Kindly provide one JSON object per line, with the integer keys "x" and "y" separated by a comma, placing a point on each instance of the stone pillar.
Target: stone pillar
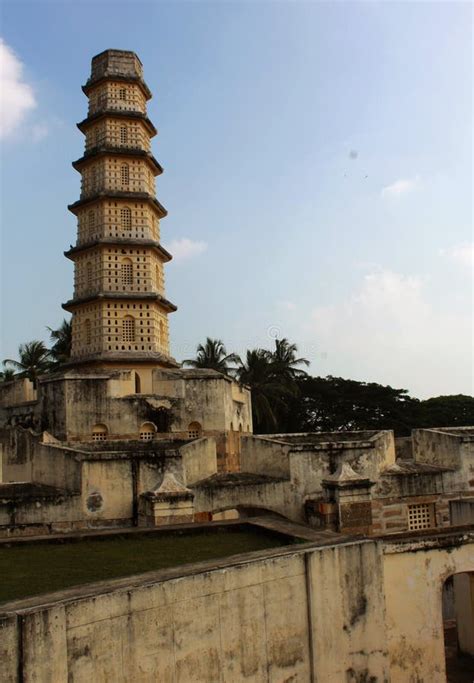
{"x": 350, "y": 493}
{"x": 464, "y": 610}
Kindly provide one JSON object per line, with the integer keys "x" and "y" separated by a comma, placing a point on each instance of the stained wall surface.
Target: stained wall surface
{"x": 357, "y": 611}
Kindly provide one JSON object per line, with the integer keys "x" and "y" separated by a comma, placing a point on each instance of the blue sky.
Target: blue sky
{"x": 318, "y": 175}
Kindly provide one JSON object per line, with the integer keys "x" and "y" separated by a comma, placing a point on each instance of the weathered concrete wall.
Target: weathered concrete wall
{"x": 199, "y": 460}
{"x": 348, "y": 613}
{"x": 264, "y": 456}
{"x": 16, "y": 392}
{"x": 461, "y": 512}
{"x": 444, "y": 447}
{"x": 414, "y": 573}
{"x": 353, "y": 612}
{"x": 268, "y": 617}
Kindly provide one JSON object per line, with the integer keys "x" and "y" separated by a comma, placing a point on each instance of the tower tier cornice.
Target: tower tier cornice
{"x": 119, "y": 242}
{"x": 128, "y": 196}
{"x": 117, "y": 78}
{"x": 136, "y": 153}
{"x": 119, "y": 114}
{"x": 123, "y": 357}
{"x": 154, "y": 297}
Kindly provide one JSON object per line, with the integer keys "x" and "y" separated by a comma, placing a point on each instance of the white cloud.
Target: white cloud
{"x": 462, "y": 254}
{"x": 287, "y": 305}
{"x": 388, "y": 331}
{"x": 185, "y": 249}
{"x": 39, "y": 131}
{"x": 16, "y": 96}
{"x": 399, "y": 187}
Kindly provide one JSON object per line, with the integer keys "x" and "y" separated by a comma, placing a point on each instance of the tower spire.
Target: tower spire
{"x": 119, "y": 309}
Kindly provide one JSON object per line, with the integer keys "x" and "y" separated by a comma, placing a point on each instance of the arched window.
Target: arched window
{"x": 125, "y": 174}
{"x": 99, "y": 433}
{"x": 89, "y": 275}
{"x": 138, "y": 384}
{"x": 163, "y": 420}
{"x": 88, "y": 333}
{"x": 194, "y": 430}
{"x": 128, "y": 329}
{"x": 126, "y": 272}
{"x": 126, "y": 216}
{"x": 147, "y": 431}
{"x": 91, "y": 222}
{"x": 123, "y": 135}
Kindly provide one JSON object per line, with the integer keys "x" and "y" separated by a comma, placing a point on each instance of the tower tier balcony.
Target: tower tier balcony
{"x": 116, "y": 194}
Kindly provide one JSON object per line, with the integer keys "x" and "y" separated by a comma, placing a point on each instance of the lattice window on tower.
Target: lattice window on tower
{"x": 89, "y": 275}
{"x": 125, "y": 174}
{"x": 128, "y": 329}
{"x": 126, "y": 216}
{"x": 123, "y": 94}
{"x": 88, "y": 332}
{"x": 123, "y": 135}
{"x": 421, "y": 516}
{"x": 147, "y": 431}
{"x": 127, "y": 272}
{"x": 99, "y": 433}
{"x": 91, "y": 222}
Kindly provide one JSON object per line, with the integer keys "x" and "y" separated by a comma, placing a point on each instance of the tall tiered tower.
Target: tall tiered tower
{"x": 119, "y": 310}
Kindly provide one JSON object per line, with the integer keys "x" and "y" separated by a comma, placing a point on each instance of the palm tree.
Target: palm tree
{"x": 7, "y": 374}
{"x": 270, "y": 389}
{"x": 34, "y": 360}
{"x": 285, "y": 360}
{"x": 62, "y": 338}
{"x": 213, "y": 356}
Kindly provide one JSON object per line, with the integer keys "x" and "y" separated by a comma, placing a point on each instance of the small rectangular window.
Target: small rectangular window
{"x": 421, "y": 516}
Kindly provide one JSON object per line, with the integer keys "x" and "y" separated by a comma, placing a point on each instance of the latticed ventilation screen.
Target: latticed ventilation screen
{"x": 127, "y": 273}
{"x": 125, "y": 174}
{"x": 99, "y": 434}
{"x": 420, "y": 516}
{"x": 89, "y": 274}
{"x": 146, "y": 434}
{"x": 128, "y": 330}
{"x": 194, "y": 430}
{"x": 91, "y": 219}
{"x": 123, "y": 134}
{"x": 122, "y": 94}
{"x": 87, "y": 326}
{"x": 126, "y": 216}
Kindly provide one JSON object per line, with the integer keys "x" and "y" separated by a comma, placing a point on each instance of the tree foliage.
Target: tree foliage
{"x": 62, "y": 341}
{"x": 213, "y": 355}
{"x": 34, "y": 359}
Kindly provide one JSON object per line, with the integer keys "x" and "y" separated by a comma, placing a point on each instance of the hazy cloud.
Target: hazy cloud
{"x": 389, "y": 331}
{"x": 287, "y": 305}
{"x": 39, "y": 131}
{"x": 184, "y": 249}
{"x": 16, "y": 96}
{"x": 399, "y": 187}
{"x": 463, "y": 254}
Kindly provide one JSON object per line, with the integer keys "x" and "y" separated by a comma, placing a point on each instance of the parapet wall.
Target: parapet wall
{"x": 250, "y": 619}
{"x": 354, "y": 611}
